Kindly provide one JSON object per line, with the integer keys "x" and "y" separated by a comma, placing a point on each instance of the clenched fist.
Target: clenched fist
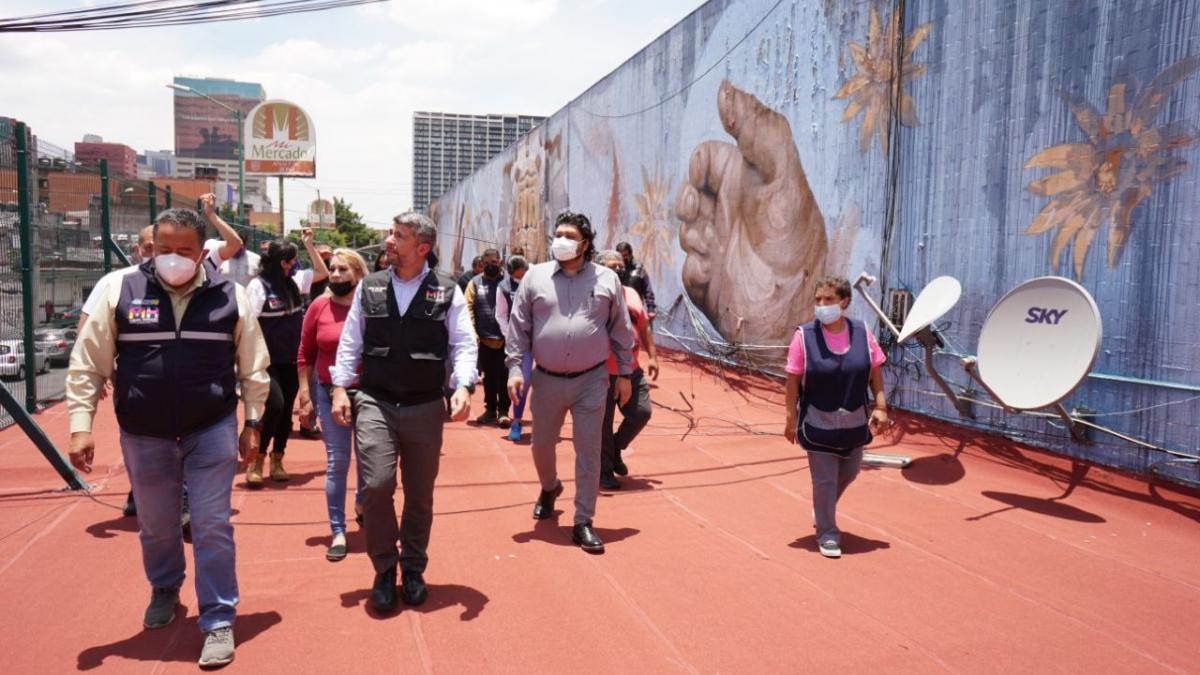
{"x": 751, "y": 229}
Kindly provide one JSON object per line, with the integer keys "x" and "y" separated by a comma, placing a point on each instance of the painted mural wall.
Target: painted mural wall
{"x": 759, "y": 144}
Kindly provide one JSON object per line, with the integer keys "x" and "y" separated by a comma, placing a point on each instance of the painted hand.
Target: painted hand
{"x": 751, "y": 229}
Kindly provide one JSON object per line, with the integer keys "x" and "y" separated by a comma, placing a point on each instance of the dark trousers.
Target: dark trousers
{"x": 495, "y": 379}
{"x": 386, "y": 437}
{"x": 277, "y": 416}
{"x": 636, "y": 415}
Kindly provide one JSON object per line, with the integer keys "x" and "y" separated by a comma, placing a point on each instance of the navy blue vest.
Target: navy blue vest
{"x": 281, "y": 325}
{"x": 404, "y": 355}
{"x": 833, "y": 399}
{"x": 486, "y": 325}
{"x": 170, "y": 381}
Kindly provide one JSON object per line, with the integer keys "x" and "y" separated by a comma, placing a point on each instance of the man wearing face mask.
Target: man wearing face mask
{"x": 570, "y": 314}
{"x": 184, "y": 339}
{"x": 639, "y": 279}
{"x": 831, "y": 363}
{"x": 481, "y": 297}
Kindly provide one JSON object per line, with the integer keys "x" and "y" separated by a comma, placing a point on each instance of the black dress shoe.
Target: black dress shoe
{"x": 619, "y": 467}
{"x": 413, "y": 588}
{"x": 609, "y": 482}
{"x": 130, "y": 509}
{"x": 383, "y": 595}
{"x": 544, "y": 508}
{"x": 585, "y": 536}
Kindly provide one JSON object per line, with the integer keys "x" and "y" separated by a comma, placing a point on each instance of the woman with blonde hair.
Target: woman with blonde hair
{"x": 319, "y": 339}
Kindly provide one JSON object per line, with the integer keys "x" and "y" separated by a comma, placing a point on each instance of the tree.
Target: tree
{"x": 350, "y": 225}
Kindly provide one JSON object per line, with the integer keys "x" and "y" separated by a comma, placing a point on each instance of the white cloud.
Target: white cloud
{"x": 472, "y": 18}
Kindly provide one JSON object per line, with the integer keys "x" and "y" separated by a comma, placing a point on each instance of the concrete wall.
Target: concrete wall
{"x": 758, "y": 144}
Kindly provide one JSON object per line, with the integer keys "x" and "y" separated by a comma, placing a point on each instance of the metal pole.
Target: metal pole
{"x": 242, "y": 169}
{"x": 105, "y": 217}
{"x": 168, "y": 191}
{"x": 39, "y": 438}
{"x": 153, "y": 190}
{"x": 26, "y": 217}
{"x": 282, "y": 218}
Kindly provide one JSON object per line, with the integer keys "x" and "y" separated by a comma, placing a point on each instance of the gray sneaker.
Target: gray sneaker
{"x": 161, "y": 611}
{"x": 218, "y": 648}
{"x": 831, "y": 549}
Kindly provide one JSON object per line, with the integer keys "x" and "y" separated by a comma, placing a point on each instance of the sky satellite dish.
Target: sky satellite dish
{"x": 1039, "y": 343}
{"x": 938, "y": 297}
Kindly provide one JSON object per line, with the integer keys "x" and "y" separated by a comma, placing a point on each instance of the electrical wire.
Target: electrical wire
{"x": 160, "y": 13}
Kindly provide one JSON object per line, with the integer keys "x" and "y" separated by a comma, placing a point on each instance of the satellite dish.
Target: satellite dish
{"x": 1039, "y": 342}
{"x": 938, "y": 297}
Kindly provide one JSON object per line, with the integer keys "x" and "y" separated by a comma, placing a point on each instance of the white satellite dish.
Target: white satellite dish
{"x": 938, "y": 297}
{"x": 1039, "y": 343}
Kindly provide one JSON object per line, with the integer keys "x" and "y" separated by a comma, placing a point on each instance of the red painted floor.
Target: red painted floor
{"x": 971, "y": 561}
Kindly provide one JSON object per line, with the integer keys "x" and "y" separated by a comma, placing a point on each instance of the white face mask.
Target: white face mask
{"x": 564, "y": 249}
{"x": 828, "y": 314}
{"x": 174, "y": 269}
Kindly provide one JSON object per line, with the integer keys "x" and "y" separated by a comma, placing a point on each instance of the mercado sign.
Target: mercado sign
{"x": 280, "y": 140}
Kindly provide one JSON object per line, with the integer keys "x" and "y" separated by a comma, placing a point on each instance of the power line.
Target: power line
{"x": 157, "y": 13}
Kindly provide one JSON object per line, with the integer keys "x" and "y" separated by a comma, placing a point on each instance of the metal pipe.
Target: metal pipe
{"x": 867, "y": 279}
{"x": 26, "y": 218}
{"x": 105, "y": 217}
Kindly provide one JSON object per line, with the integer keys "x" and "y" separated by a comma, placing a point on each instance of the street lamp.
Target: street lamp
{"x": 241, "y": 159}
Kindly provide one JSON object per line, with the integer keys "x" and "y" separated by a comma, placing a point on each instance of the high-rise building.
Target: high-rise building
{"x": 447, "y": 147}
{"x": 156, "y": 163}
{"x": 204, "y": 129}
{"x": 122, "y": 159}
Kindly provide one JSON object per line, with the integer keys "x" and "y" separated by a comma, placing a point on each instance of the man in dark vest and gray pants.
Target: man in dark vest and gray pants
{"x": 403, "y": 326}
{"x": 481, "y": 302}
{"x": 182, "y": 338}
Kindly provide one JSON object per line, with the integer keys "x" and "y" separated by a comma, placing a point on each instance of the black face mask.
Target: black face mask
{"x": 341, "y": 288}
{"x": 491, "y": 271}
{"x": 623, "y": 275}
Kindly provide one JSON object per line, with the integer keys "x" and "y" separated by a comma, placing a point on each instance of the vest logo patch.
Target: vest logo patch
{"x": 143, "y": 311}
{"x": 275, "y": 303}
{"x": 435, "y": 295}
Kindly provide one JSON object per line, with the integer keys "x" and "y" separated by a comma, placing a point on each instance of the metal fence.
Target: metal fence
{"x": 55, "y": 218}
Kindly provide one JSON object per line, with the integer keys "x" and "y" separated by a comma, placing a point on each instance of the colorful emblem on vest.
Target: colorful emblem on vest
{"x": 436, "y": 295}
{"x": 143, "y": 311}
{"x": 275, "y": 303}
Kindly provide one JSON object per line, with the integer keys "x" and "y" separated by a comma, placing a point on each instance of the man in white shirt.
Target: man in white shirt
{"x": 405, "y": 323}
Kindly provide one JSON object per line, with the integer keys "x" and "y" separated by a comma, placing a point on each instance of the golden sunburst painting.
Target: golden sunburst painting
{"x": 874, "y": 86}
{"x": 1100, "y": 181}
{"x": 653, "y": 227}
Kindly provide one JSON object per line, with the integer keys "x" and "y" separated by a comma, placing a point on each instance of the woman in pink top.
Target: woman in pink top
{"x": 832, "y": 362}
{"x": 319, "y": 339}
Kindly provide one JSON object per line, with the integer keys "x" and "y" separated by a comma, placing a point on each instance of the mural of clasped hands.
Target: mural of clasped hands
{"x": 753, "y": 235}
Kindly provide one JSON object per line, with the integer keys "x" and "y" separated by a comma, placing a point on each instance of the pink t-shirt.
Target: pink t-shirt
{"x": 639, "y": 318}
{"x": 839, "y": 343}
{"x": 323, "y": 323}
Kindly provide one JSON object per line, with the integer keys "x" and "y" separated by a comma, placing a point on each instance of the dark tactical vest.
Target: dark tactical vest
{"x": 404, "y": 355}
{"x": 833, "y": 401}
{"x": 171, "y": 382}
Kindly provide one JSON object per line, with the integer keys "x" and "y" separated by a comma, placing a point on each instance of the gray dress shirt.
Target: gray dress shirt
{"x": 571, "y": 323}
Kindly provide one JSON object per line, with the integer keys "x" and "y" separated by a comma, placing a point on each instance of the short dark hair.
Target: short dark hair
{"x": 186, "y": 219}
{"x": 624, "y": 248}
{"x": 489, "y": 253}
{"x": 477, "y": 260}
{"x": 516, "y": 263}
{"x": 581, "y": 223}
{"x": 840, "y": 285}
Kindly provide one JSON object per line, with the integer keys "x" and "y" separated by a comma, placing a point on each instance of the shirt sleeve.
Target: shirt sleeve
{"x": 349, "y": 350}
{"x": 651, "y": 305}
{"x": 307, "y": 356}
{"x": 469, "y": 300}
{"x": 464, "y": 351}
{"x": 877, "y": 356}
{"x": 502, "y": 312}
{"x": 252, "y": 359}
{"x": 304, "y": 281}
{"x": 93, "y": 298}
{"x": 212, "y": 249}
{"x": 256, "y": 295}
{"x": 795, "y": 355}
{"x": 92, "y": 360}
{"x": 519, "y": 336}
{"x": 620, "y": 329}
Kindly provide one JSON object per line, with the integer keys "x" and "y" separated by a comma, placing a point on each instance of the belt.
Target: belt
{"x": 570, "y": 376}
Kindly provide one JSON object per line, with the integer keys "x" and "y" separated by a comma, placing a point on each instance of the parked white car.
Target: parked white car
{"x": 12, "y": 360}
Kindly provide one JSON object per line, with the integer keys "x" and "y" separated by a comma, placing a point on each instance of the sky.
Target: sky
{"x": 360, "y": 72}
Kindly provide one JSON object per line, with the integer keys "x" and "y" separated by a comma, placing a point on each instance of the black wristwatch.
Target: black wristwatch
{"x": 254, "y": 424}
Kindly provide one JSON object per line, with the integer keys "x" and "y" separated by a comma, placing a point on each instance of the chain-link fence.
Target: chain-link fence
{"x": 55, "y": 216}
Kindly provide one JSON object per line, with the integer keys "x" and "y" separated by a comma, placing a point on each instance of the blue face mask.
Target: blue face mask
{"x": 828, "y": 314}
{"x": 295, "y": 268}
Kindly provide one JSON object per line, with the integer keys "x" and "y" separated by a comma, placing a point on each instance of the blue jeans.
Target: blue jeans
{"x": 208, "y": 460}
{"x": 337, "y": 465}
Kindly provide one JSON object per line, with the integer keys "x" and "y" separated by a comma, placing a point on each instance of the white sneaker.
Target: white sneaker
{"x": 831, "y": 549}
{"x": 218, "y": 648}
